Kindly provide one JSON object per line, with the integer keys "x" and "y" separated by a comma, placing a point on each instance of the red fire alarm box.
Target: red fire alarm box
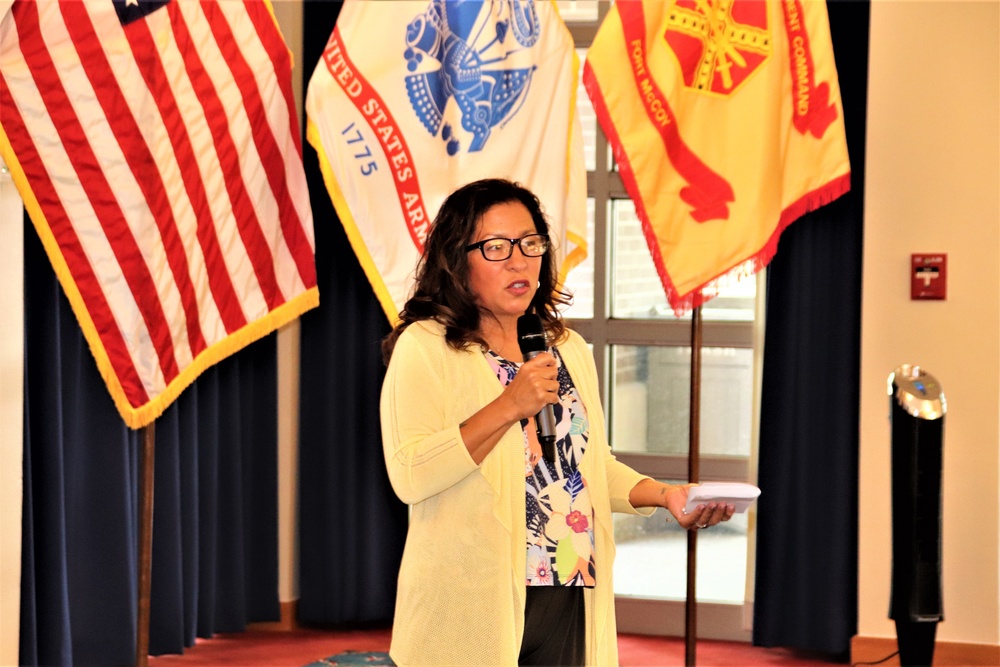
{"x": 929, "y": 276}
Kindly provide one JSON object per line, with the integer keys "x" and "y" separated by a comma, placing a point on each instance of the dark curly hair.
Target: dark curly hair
{"x": 442, "y": 282}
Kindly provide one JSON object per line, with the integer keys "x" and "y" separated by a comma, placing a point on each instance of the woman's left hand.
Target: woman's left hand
{"x": 703, "y": 516}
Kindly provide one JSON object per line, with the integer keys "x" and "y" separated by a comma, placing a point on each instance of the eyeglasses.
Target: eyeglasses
{"x": 497, "y": 250}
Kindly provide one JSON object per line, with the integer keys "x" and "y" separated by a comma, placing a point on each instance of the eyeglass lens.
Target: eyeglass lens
{"x": 500, "y": 249}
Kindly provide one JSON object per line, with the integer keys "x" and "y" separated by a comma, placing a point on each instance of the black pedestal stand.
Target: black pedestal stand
{"x": 916, "y": 643}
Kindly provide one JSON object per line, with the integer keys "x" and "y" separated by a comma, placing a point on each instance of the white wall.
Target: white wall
{"x": 11, "y": 411}
{"x": 933, "y": 185}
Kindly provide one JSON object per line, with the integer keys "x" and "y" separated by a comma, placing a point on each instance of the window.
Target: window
{"x": 643, "y": 354}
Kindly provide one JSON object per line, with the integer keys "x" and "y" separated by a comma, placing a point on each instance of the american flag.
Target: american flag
{"x": 157, "y": 149}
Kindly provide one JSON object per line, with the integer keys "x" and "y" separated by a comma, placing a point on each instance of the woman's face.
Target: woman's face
{"x": 505, "y": 288}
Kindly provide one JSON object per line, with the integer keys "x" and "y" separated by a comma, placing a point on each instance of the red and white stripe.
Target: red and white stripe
{"x": 166, "y": 162}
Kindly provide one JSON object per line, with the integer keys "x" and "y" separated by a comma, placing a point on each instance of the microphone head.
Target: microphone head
{"x": 530, "y": 333}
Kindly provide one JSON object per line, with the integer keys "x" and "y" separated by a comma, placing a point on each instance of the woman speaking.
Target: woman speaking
{"x": 509, "y": 553}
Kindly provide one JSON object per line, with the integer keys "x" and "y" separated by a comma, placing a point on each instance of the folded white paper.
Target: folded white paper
{"x": 739, "y": 494}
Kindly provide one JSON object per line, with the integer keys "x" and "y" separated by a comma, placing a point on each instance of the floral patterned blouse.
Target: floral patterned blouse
{"x": 560, "y": 518}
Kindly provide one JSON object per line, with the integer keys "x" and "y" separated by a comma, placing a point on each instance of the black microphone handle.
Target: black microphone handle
{"x": 545, "y": 424}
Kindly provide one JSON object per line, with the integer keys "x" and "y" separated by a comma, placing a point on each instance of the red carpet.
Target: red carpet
{"x": 295, "y": 648}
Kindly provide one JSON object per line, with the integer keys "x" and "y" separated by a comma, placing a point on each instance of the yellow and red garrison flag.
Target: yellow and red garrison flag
{"x": 157, "y": 150}
{"x": 413, "y": 99}
{"x": 726, "y": 122}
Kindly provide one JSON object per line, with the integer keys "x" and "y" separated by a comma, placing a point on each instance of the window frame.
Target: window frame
{"x": 642, "y": 615}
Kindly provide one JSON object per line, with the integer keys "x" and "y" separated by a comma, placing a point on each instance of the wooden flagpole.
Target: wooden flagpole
{"x": 145, "y": 544}
{"x": 694, "y": 454}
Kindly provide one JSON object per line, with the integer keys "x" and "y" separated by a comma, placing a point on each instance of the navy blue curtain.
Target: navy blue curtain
{"x": 351, "y": 526}
{"x": 214, "y": 564}
{"x": 806, "y": 578}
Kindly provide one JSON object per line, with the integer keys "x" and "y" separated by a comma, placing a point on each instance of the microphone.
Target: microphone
{"x": 531, "y": 340}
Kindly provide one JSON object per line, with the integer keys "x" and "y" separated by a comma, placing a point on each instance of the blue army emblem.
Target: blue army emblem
{"x": 471, "y": 51}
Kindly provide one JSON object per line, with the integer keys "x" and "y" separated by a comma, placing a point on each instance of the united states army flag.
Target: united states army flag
{"x": 414, "y": 99}
{"x": 726, "y": 123}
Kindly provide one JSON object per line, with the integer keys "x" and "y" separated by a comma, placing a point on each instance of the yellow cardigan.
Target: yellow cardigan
{"x": 461, "y": 590}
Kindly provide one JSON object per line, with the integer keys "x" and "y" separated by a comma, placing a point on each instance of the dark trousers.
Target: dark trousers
{"x": 554, "y": 627}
